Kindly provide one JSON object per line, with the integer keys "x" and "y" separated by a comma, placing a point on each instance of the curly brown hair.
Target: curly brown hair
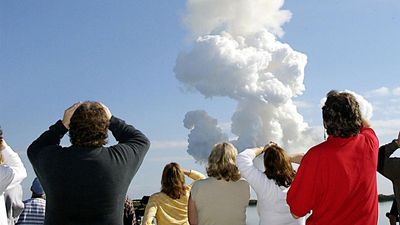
{"x": 341, "y": 114}
{"x": 277, "y": 166}
{"x": 89, "y": 125}
{"x": 222, "y": 162}
{"x": 173, "y": 181}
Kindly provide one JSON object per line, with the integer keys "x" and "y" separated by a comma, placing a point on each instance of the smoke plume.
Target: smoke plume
{"x": 237, "y": 55}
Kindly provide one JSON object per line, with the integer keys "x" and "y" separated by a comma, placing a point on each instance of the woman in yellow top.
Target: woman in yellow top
{"x": 169, "y": 206}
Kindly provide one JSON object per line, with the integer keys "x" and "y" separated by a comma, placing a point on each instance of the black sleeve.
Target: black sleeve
{"x": 384, "y": 164}
{"x": 130, "y": 141}
{"x": 51, "y": 137}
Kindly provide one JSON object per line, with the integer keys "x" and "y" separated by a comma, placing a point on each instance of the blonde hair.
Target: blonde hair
{"x": 222, "y": 162}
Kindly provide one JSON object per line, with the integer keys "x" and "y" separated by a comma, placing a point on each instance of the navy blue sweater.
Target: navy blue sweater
{"x": 87, "y": 186}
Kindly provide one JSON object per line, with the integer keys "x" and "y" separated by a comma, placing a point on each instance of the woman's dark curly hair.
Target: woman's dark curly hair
{"x": 277, "y": 166}
{"x": 173, "y": 181}
{"x": 89, "y": 125}
{"x": 341, "y": 114}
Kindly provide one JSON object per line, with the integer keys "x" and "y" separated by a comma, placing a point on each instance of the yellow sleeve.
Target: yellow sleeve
{"x": 150, "y": 211}
{"x": 195, "y": 175}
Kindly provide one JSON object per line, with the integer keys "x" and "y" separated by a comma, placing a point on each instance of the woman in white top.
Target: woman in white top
{"x": 222, "y": 198}
{"x": 271, "y": 186}
{"x": 12, "y": 172}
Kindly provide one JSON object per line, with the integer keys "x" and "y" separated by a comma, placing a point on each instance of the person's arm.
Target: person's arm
{"x": 132, "y": 143}
{"x": 193, "y": 174}
{"x": 302, "y": 193}
{"x": 6, "y": 176}
{"x": 296, "y": 157}
{"x": 53, "y": 136}
{"x": 384, "y": 154}
{"x": 192, "y": 212}
{"x": 150, "y": 212}
{"x": 256, "y": 178}
{"x": 12, "y": 159}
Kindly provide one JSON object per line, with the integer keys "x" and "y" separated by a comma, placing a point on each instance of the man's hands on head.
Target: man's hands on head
{"x": 107, "y": 110}
{"x": 68, "y": 114}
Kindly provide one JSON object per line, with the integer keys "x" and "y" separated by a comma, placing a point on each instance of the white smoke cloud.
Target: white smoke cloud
{"x": 238, "y": 17}
{"x": 238, "y": 56}
{"x": 204, "y": 133}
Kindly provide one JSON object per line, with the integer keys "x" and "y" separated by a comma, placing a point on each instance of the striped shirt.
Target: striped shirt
{"x": 33, "y": 212}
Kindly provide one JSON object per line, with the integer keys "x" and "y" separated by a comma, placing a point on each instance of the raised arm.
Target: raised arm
{"x": 6, "y": 172}
{"x": 53, "y": 136}
{"x": 13, "y": 160}
{"x": 193, "y": 174}
{"x": 127, "y": 134}
{"x": 256, "y": 178}
{"x": 387, "y": 166}
{"x": 296, "y": 157}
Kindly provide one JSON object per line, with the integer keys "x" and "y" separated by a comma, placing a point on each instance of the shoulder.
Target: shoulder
{"x": 242, "y": 182}
{"x": 157, "y": 195}
{"x": 243, "y": 185}
{"x": 201, "y": 183}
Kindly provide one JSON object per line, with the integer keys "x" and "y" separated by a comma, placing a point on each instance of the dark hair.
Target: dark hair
{"x": 173, "y": 181}
{"x": 277, "y": 166}
{"x": 1, "y": 134}
{"x": 89, "y": 125}
{"x": 341, "y": 114}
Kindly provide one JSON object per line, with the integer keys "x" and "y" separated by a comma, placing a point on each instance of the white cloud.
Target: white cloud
{"x": 238, "y": 17}
{"x": 304, "y": 104}
{"x": 396, "y": 91}
{"x": 386, "y": 129}
{"x": 379, "y": 92}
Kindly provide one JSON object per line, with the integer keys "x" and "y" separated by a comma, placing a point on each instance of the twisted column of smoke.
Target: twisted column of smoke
{"x": 236, "y": 54}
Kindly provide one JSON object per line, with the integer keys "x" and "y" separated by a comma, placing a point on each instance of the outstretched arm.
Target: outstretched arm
{"x": 193, "y": 174}
{"x": 296, "y": 157}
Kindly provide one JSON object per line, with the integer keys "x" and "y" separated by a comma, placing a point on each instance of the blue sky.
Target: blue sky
{"x": 122, "y": 53}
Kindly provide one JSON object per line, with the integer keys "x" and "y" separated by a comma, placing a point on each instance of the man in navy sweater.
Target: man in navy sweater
{"x": 86, "y": 183}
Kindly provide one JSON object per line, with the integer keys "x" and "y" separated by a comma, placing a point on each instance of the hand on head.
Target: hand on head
{"x": 68, "y": 114}
{"x": 271, "y": 143}
{"x": 70, "y": 111}
{"x": 107, "y": 110}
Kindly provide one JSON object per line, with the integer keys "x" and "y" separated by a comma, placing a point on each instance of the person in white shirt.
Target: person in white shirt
{"x": 271, "y": 186}
{"x": 12, "y": 172}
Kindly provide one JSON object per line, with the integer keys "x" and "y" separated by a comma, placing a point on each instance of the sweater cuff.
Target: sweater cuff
{"x": 395, "y": 143}
{"x": 59, "y": 128}
{"x": 113, "y": 123}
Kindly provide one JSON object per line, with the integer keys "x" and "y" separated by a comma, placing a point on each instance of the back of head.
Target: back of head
{"x": 89, "y": 125}
{"x": 341, "y": 114}
{"x": 37, "y": 188}
{"x": 173, "y": 181}
{"x": 222, "y": 162}
{"x": 277, "y": 166}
